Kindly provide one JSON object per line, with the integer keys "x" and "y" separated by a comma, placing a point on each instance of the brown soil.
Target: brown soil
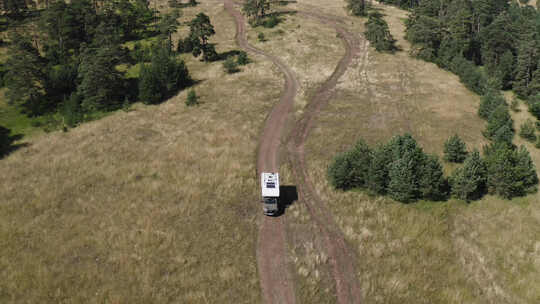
{"x": 275, "y": 276}
{"x": 341, "y": 258}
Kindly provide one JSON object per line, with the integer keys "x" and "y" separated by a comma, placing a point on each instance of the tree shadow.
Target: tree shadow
{"x": 287, "y": 196}
{"x": 7, "y": 142}
{"x": 224, "y": 55}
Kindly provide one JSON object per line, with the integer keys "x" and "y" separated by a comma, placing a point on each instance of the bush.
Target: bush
{"x": 162, "y": 78}
{"x": 527, "y": 131}
{"x": 455, "y": 150}
{"x": 271, "y": 21}
{"x": 469, "y": 182}
{"x": 192, "y": 98}
{"x": 230, "y": 65}
{"x": 378, "y": 34}
{"x": 350, "y": 169}
{"x": 261, "y": 37}
{"x": 242, "y": 58}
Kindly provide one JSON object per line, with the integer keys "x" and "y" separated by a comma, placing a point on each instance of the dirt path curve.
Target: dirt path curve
{"x": 274, "y": 272}
{"x": 340, "y": 256}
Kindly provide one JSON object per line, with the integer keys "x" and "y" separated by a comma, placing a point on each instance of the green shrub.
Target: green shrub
{"x": 192, "y": 98}
{"x": 230, "y": 65}
{"x": 455, "y": 149}
{"x": 261, "y": 37}
{"x": 242, "y": 58}
{"x": 378, "y": 34}
{"x": 271, "y": 21}
{"x": 527, "y": 131}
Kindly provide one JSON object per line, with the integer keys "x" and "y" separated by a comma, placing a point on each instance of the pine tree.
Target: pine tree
{"x": 163, "y": 77}
{"x": 498, "y": 118}
{"x": 101, "y": 83}
{"x": 455, "y": 149}
{"x": 526, "y": 65}
{"x": 339, "y": 172}
{"x": 469, "y": 182}
{"x": 431, "y": 183}
{"x": 378, "y": 170}
{"x": 402, "y": 186}
{"x": 200, "y": 30}
{"x": 511, "y": 172}
{"x": 26, "y": 75}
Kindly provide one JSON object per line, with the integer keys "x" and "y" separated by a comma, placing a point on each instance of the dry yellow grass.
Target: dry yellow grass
{"x": 485, "y": 252}
{"x": 156, "y": 205}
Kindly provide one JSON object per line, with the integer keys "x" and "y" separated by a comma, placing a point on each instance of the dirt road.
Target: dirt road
{"x": 274, "y": 272}
{"x": 341, "y": 258}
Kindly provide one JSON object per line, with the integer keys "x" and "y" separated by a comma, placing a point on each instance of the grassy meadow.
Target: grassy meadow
{"x": 487, "y": 251}
{"x": 158, "y": 204}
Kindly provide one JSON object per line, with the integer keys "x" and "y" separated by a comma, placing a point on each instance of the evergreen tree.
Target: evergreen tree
{"x": 256, "y": 9}
{"x": 14, "y": 8}
{"x": 100, "y": 83}
{"x": 162, "y": 78}
{"x": 497, "y": 119}
{"x": 526, "y": 65}
{"x": 26, "y": 75}
{"x": 378, "y": 170}
{"x": 455, "y": 149}
{"x": 72, "y": 111}
{"x": 402, "y": 186}
{"x": 469, "y": 182}
{"x": 357, "y": 7}
{"x": 339, "y": 172}
{"x": 200, "y": 30}
{"x": 169, "y": 25}
{"x": 378, "y": 34}
{"x": 431, "y": 183}
{"x": 511, "y": 172}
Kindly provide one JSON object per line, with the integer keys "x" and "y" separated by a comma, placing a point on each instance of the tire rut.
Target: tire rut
{"x": 275, "y": 276}
{"x": 340, "y": 257}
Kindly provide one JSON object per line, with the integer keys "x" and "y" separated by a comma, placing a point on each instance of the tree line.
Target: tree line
{"x": 402, "y": 170}
{"x": 501, "y": 36}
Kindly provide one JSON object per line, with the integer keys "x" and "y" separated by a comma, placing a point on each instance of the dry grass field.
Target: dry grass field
{"x": 156, "y": 205}
{"x": 451, "y": 252}
{"x": 160, "y": 204}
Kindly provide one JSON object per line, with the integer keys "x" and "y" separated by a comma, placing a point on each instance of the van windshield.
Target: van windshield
{"x": 270, "y": 200}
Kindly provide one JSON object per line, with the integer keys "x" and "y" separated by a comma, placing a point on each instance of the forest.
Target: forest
{"x": 73, "y": 61}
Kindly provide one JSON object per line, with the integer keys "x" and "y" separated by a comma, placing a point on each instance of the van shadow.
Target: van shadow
{"x": 287, "y": 196}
